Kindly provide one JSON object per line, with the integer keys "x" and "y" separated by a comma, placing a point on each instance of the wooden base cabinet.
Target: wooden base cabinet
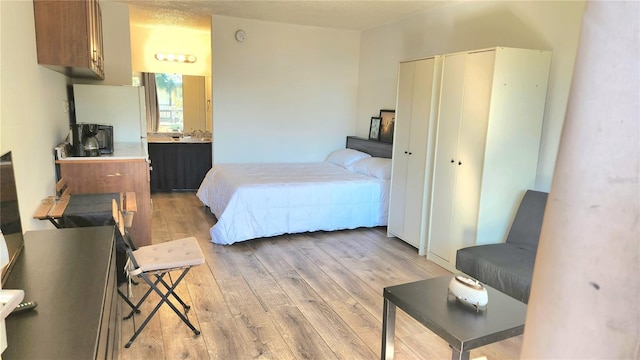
{"x": 104, "y": 176}
{"x": 413, "y": 151}
{"x": 489, "y": 125}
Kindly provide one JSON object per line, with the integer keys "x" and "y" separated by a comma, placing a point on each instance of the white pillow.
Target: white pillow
{"x": 346, "y": 157}
{"x": 374, "y": 166}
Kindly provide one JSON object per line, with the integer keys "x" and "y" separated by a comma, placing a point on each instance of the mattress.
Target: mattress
{"x": 262, "y": 200}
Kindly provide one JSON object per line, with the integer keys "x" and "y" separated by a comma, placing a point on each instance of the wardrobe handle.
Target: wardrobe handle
{"x": 459, "y": 162}
{"x": 406, "y": 152}
{"x": 452, "y": 161}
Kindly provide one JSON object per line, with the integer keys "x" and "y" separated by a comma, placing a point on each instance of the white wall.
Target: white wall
{"x": 175, "y": 39}
{"x": 287, "y": 93}
{"x": 463, "y": 26}
{"x": 32, "y": 120}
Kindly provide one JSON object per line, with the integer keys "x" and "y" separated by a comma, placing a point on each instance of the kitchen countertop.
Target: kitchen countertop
{"x": 121, "y": 151}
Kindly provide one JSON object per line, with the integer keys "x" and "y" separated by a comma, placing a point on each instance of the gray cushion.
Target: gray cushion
{"x": 505, "y": 267}
{"x": 525, "y": 229}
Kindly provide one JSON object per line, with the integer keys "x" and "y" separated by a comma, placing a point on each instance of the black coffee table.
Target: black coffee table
{"x": 457, "y": 323}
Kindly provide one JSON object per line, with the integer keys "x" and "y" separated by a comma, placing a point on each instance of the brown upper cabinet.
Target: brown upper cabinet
{"x": 69, "y": 37}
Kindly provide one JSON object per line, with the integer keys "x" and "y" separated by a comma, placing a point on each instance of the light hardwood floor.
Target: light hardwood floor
{"x": 305, "y": 296}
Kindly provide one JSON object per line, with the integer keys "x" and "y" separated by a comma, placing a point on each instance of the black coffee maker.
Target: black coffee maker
{"x": 84, "y": 140}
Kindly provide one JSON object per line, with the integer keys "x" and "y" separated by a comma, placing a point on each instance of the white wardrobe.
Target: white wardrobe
{"x": 485, "y": 138}
{"x": 416, "y": 103}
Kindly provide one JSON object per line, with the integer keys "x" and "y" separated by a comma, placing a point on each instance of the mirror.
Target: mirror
{"x": 153, "y": 31}
{"x": 184, "y": 102}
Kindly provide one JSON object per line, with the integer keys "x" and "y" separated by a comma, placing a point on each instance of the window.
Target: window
{"x": 170, "y": 102}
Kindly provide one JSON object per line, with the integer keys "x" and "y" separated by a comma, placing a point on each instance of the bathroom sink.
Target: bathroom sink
{"x": 191, "y": 140}
{"x": 181, "y": 139}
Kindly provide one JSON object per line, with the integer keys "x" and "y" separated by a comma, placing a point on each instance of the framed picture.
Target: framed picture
{"x": 387, "y": 121}
{"x": 374, "y": 129}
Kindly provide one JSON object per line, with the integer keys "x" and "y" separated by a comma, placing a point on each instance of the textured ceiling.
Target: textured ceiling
{"x": 338, "y": 14}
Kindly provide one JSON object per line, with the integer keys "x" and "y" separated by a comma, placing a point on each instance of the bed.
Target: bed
{"x": 350, "y": 189}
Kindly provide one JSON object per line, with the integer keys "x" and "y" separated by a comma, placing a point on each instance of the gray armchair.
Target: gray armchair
{"x": 508, "y": 266}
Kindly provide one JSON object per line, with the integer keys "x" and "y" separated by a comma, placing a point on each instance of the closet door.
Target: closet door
{"x": 489, "y": 124}
{"x": 446, "y": 154}
{"x": 462, "y": 131}
{"x": 402, "y": 130}
{"x": 413, "y": 111}
{"x": 474, "y": 120}
{"x": 416, "y": 205}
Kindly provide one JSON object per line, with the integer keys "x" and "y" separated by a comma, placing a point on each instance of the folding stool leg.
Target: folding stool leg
{"x": 135, "y": 309}
{"x": 171, "y": 291}
{"x": 159, "y": 279}
{"x": 164, "y": 298}
{"x": 126, "y": 299}
{"x": 185, "y": 306}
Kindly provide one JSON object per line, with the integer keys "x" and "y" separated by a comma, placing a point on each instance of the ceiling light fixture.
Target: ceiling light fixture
{"x": 183, "y": 58}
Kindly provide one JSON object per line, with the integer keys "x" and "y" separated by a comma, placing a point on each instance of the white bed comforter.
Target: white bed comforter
{"x": 261, "y": 200}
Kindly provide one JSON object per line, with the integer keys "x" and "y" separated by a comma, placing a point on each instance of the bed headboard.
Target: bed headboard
{"x": 371, "y": 147}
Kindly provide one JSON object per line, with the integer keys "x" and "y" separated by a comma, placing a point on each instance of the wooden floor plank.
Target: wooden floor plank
{"x": 228, "y": 336}
{"x": 302, "y": 296}
{"x": 357, "y": 286}
{"x": 333, "y": 329}
{"x": 302, "y": 338}
{"x": 372, "y": 271}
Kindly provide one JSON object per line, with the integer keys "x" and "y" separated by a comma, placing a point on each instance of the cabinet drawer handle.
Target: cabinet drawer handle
{"x": 116, "y": 174}
{"x": 452, "y": 161}
{"x": 459, "y": 162}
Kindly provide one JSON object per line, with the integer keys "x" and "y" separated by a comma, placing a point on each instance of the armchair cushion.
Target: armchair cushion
{"x": 505, "y": 267}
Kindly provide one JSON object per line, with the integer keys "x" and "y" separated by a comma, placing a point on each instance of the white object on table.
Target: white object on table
{"x": 469, "y": 290}
{"x": 9, "y": 299}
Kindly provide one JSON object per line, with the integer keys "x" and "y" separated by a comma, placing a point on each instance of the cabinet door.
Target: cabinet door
{"x": 96, "y": 45}
{"x": 164, "y": 162}
{"x": 93, "y": 32}
{"x": 194, "y": 161}
{"x": 67, "y": 33}
{"x": 444, "y": 177}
